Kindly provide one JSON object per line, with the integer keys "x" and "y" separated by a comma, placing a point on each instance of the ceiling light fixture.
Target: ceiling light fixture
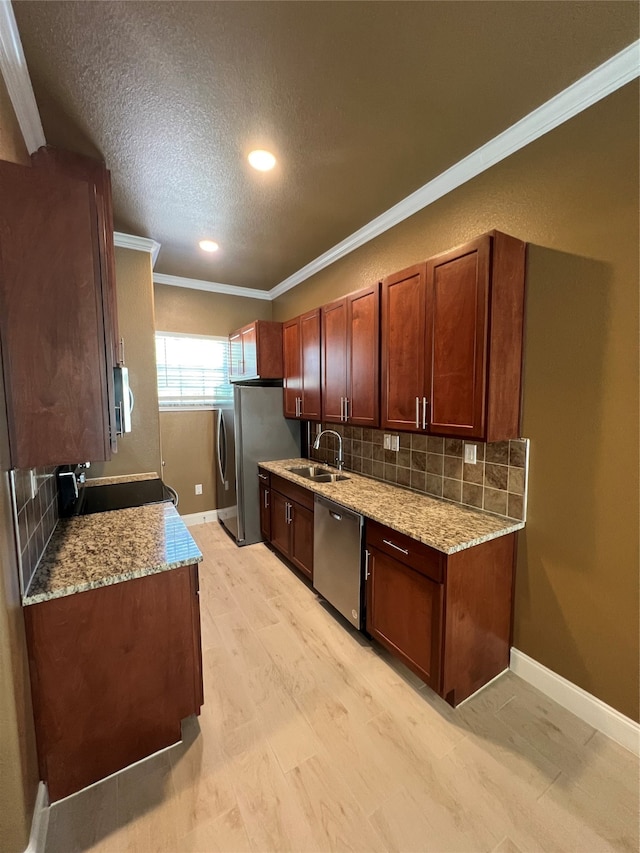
{"x": 208, "y": 245}
{"x": 263, "y": 161}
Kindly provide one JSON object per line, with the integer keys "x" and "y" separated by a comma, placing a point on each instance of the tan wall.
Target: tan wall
{"x": 18, "y": 764}
{"x": 196, "y": 312}
{"x": 139, "y": 450}
{"x": 188, "y": 453}
{"x": 573, "y": 195}
{"x": 191, "y": 460}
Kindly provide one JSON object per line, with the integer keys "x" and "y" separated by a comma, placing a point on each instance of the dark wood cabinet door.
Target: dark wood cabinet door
{"x": 265, "y": 511}
{"x": 403, "y": 349}
{"x": 334, "y": 360}
{"x": 249, "y": 340}
{"x": 404, "y": 613}
{"x": 363, "y": 336}
{"x": 51, "y": 319}
{"x": 280, "y": 527}
{"x": 292, "y": 367}
{"x": 302, "y": 538}
{"x": 235, "y": 355}
{"x": 113, "y": 672}
{"x": 310, "y": 362}
{"x": 457, "y": 308}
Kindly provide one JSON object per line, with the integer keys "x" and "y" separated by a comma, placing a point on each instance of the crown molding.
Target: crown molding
{"x": 13, "y": 67}
{"x": 588, "y": 90}
{"x": 139, "y": 244}
{"x": 211, "y": 286}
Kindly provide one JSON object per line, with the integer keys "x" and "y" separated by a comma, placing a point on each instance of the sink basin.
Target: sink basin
{"x": 309, "y": 471}
{"x": 318, "y": 474}
{"x": 328, "y": 478}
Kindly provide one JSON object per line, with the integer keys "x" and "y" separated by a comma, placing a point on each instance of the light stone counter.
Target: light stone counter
{"x": 90, "y": 551}
{"x": 443, "y": 525}
{"x": 121, "y": 478}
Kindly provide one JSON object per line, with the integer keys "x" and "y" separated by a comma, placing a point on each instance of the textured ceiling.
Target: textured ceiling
{"x": 362, "y": 103}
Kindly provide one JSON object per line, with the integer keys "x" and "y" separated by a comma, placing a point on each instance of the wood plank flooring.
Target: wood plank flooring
{"x": 311, "y": 739}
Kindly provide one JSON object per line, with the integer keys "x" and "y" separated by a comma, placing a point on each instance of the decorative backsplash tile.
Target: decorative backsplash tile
{"x": 496, "y": 483}
{"x": 35, "y": 518}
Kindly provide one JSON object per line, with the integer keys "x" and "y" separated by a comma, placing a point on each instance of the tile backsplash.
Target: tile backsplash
{"x": 496, "y": 483}
{"x": 36, "y": 517}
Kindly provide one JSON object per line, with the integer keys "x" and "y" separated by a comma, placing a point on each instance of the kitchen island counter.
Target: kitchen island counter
{"x": 91, "y": 551}
{"x": 441, "y": 524}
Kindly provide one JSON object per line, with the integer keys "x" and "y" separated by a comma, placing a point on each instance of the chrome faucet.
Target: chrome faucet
{"x": 339, "y": 457}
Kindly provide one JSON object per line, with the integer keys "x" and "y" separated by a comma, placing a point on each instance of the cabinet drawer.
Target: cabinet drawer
{"x": 418, "y": 556}
{"x": 292, "y": 491}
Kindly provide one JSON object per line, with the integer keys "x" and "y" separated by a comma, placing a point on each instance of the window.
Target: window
{"x": 193, "y": 371}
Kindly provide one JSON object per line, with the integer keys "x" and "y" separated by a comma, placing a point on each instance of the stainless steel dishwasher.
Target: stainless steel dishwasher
{"x": 337, "y": 558}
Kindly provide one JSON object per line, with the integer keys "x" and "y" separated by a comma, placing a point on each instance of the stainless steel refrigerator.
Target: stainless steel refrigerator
{"x": 253, "y": 430}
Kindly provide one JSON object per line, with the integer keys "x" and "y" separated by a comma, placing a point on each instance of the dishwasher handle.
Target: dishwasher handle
{"x": 335, "y": 515}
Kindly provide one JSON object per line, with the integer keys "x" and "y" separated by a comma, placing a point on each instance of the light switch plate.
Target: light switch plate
{"x": 470, "y": 453}
{"x": 198, "y": 488}
{"x": 33, "y": 483}
{"x": 395, "y": 442}
{"x": 387, "y": 442}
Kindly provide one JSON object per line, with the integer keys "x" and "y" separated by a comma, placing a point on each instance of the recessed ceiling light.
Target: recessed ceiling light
{"x": 208, "y": 245}
{"x": 262, "y": 160}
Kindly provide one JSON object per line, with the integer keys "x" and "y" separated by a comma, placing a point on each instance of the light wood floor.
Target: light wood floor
{"x": 311, "y": 739}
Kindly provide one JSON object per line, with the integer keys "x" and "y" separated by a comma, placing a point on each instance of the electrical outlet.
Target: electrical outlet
{"x": 395, "y": 443}
{"x": 470, "y": 453}
{"x": 198, "y": 488}
{"x": 387, "y": 442}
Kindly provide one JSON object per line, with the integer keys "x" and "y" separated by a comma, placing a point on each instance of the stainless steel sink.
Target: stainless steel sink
{"x": 328, "y": 478}
{"x": 318, "y": 474}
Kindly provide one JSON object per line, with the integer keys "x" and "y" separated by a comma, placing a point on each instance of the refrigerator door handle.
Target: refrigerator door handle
{"x": 222, "y": 447}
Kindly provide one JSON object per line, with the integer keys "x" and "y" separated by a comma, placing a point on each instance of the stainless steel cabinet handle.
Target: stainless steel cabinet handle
{"x": 266, "y": 499}
{"x": 342, "y": 417}
{"x": 424, "y": 412}
{"x": 417, "y": 412}
{"x": 397, "y": 547}
{"x": 346, "y": 408}
{"x": 367, "y": 557}
{"x": 263, "y": 476}
{"x": 288, "y": 513}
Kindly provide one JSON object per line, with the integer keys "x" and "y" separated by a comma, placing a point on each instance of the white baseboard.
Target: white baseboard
{"x": 589, "y": 708}
{"x": 40, "y": 821}
{"x": 200, "y": 517}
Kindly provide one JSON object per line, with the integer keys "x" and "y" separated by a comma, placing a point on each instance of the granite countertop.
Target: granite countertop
{"x": 90, "y": 551}
{"x": 121, "y": 478}
{"x": 445, "y": 526}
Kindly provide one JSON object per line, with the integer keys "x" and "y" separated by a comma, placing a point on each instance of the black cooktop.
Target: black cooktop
{"x": 119, "y": 496}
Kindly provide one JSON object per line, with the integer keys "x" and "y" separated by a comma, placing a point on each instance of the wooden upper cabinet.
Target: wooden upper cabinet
{"x": 452, "y": 342}
{"x": 350, "y": 358}
{"x": 57, "y": 347}
{"x": 404, "y": 372}
{"x": 334, "y": 360}
{"x": 255, "y": 351}
{"x": 363, "y": 357}
{"x": 301, "y": 346}
{"x": 292, "y": 368}
{"x": 457, "y": 311}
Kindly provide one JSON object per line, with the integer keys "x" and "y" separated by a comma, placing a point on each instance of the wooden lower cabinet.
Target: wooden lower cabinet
{"x": 113, "y": 670}
{"x": 447, "y": 617}
{"x": 292, "y": 523}
{"x": 395, "y": 590}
